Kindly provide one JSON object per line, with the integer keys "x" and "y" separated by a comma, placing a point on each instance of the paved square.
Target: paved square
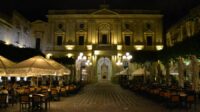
{"x": 105, "y": 97}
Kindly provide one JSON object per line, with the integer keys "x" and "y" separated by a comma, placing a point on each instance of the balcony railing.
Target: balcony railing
{"x": 104, "y": 47}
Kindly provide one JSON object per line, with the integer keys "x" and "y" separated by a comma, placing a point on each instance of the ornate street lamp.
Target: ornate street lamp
{"x": 125, "y": 63}
{"x": 80, "y": 64}
{"x": 125, "y": 59}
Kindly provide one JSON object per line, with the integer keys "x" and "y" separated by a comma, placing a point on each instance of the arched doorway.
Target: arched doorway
{"x": 104, "y": 68}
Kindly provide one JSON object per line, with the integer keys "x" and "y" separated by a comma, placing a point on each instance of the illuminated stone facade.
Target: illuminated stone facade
{"x": 40, "y": 32}
{"x": 16, "y": 30}
{"x": 185, "y": 28}
{"x": 75, "y": 30}
{"x": 103, "y": 35}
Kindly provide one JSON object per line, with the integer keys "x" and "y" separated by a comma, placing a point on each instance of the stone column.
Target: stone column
{"x": 181, "y": 72}
{"x": 154, "y": 71}
{"x": 78, "y": 70}
{"x": 51, "y": 38}
{"x": 167, "y": 67}
{"x": 195, "y": 73}
{"x": 94, "y": 68}
{"x": 145, "y": 75}
{"x": 159, "y": 72}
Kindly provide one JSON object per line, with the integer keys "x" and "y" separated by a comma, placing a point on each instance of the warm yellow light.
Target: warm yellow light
{"x": 69, "y": 47}
{"x": 0, "y": 79}
{"x": 139, "y": 47}
{"x": 115, "y": 40}
{"x": 93, "y": 41}
{"x": 48, "y": 56}
{"x": 40, "y": 60}
{"x": 88, "y": 63}
{"x": 96, "y": 52}
{"x": 69, "y": 55}
{"x": 79, "y": 57}
{"x": 89, "y": 47}
{"x": 119, "y": 63}
{"x": 89, "y": 54}
{"x": 119, "y": 47}
{"x": 127, "y": 53}
{"x": 84, "y": 57}
{"x": 81, "y": 54}
{"x": 159, "y": 47}
{"x": 129, "y": 57}
{"x": 20, "y": 46}
{"x": 7, "y": 42}
{"x": 119, "y": 54}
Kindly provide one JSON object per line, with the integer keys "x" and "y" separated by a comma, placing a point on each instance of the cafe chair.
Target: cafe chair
{"x": 3, "y": 100}
{"x": 174, "y": 101}
{"x": 55, "y": 95}
{"x": 46, "y": 100}
{"x": 25, "y": 103}
{"x": 63, "y": 91}
{"x": 36, "y": 103}
{"x": 190, "y": 100}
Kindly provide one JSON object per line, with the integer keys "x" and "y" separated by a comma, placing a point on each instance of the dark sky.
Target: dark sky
{"x": 37, "y": 9}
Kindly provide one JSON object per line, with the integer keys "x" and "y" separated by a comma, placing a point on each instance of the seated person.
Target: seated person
{"x": 3, "y": 91}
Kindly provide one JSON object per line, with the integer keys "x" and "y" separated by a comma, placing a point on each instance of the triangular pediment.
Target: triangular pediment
{"x": 127, "y": 30}
{"x": 38, "y": 21}
{"x": 104, "y": 12}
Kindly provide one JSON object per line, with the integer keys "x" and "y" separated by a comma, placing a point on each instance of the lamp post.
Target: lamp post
{"x": 80, "y": 64}
{"x": 125, "y": 60}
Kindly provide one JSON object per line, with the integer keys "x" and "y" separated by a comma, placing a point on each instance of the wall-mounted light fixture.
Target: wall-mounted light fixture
{"x": 69, "y": 47}
{"x": 159, "y": 47}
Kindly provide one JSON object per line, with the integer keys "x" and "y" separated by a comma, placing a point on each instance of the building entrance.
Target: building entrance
{"x": 104, "y": 68}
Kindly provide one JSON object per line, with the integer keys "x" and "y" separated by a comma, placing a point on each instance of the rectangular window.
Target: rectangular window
{"x": 81, "y": 40}
{"x": 149, "y": 41}
{"x": 59, "y": 40}
{"x": 37, "y": 44}
{"x": 104, "y": 39}
{"x": 18, "y": 37}
{"x": 81, "y": 26}
{"x": 127, "y": 40}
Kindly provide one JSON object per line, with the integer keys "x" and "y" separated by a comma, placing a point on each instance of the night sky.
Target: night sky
{"x": 37, "y": 9}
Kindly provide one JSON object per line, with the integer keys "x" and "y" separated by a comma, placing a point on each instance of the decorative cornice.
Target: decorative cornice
{"x": 120, "y": 16}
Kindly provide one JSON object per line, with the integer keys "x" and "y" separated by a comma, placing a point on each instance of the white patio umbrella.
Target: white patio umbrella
{"x": 140, "y": 72}
{"x": 4, "y": 65}
{"x": 123, "y": 72}
{"x": 35, "y": 66}
{"x": 118, "y": 73}
{"x": 173, "y": 70}
{"x": 62, "y": 70}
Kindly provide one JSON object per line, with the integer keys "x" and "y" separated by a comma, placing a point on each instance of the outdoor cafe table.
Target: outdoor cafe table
{"x": 43, "y": 99}
{"x": 183, "y": 96}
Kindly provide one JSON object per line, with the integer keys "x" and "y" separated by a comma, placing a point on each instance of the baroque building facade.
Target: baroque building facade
{"x": 103, "y": 36}
{"x": 187, "y": 27}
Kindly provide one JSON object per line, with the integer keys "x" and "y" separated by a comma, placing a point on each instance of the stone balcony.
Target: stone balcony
{"x": 104, "y": 47}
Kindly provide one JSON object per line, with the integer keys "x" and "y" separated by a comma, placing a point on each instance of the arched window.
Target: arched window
{"x": 104, "y": 33}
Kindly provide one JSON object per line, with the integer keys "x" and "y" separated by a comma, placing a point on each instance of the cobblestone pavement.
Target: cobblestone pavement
{"x": 105, "y": 97}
